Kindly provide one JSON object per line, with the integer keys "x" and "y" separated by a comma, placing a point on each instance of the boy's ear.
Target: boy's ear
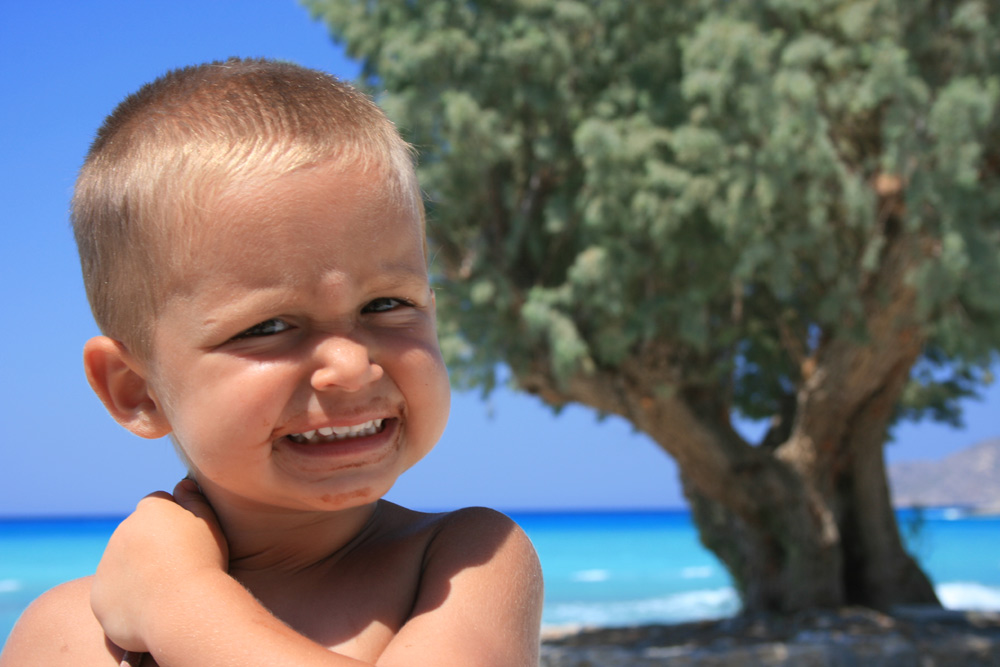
{"x": 119, "y": 381}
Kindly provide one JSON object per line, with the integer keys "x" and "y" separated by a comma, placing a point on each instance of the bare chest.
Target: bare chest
{"x": 354, "y": 607}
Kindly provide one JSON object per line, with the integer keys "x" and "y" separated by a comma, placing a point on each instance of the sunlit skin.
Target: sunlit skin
{"x": 303, "y": 305}
{"x": 307, "y": 305}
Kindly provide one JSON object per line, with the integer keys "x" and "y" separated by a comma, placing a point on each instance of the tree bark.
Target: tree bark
{"x": 810, "y": 536}
{"x": 797, "y": 548}
{"x": 878, "y": 572}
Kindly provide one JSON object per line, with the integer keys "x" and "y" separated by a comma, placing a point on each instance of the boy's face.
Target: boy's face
{"x": 303, "y": 306}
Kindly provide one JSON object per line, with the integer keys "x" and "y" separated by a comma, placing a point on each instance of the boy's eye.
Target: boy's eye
{"x": 384, "y": 304}
{"x": 266, "y": 328}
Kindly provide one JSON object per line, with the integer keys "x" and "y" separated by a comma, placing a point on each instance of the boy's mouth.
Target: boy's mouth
{"x": 335, "y": 433}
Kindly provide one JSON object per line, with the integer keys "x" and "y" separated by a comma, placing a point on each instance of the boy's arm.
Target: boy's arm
{"x": 180, "y": 604}
{"x": 479, "y": 601}
{"x": 167, "y": 544}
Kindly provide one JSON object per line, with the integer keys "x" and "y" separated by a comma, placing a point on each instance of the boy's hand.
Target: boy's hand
{"x": 168, "y": 540}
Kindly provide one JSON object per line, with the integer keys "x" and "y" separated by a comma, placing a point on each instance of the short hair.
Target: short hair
{"x": 168, "y": 145}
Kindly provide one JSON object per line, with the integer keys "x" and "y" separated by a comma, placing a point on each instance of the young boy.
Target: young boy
{"x": 252, "y": 242}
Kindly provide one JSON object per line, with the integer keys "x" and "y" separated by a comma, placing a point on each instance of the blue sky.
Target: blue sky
{"x": 65, "y": 65}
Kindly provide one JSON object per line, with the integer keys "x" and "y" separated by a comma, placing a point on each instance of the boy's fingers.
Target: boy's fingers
{"x": 188, "y": 495}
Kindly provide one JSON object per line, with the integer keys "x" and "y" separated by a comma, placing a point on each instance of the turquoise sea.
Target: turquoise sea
{"x": 601, "y": 568}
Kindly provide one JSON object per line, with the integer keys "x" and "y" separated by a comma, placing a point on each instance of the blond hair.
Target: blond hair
{"x": 168, "y": 146}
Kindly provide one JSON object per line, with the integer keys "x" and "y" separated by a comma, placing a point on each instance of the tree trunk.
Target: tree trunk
{"x": 776, "y": 565}
{"x": 798, "y": 526}
{"x": 803, "y": 520}
{"x": 819, "y": 529}
{"x": 783, "y": 560}
{"x": 878, "y": 572}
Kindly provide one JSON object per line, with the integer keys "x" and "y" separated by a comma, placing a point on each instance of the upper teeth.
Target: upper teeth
{"x": 331, "y": 433}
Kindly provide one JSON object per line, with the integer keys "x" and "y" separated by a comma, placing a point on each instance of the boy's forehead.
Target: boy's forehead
{"x": 269, "y": 215}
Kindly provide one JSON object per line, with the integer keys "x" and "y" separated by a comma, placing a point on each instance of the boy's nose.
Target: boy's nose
{"x": 344, "y": 363}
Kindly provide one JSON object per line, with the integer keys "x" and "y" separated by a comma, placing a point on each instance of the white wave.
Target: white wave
{"x": 591, "y": 575}
{"x": 9, "y": 585}
{"x": 691, "y": 606}
{"x": 700, "y": 572}
{"x": 969, "y": 596}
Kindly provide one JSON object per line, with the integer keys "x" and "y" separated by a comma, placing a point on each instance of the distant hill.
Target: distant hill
{"x": 970, "y": 477}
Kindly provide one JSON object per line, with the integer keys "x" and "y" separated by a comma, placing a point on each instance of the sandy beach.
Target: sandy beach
{"x": 917, "y": 637}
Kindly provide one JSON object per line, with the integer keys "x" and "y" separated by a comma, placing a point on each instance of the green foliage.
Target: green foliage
{"x": 605, "y": 175}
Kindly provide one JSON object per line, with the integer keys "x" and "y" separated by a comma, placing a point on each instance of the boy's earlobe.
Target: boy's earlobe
{"x": 119, "y": 381}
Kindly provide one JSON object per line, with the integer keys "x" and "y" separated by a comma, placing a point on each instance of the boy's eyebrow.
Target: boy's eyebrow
{"x": 401, "y": 272}
{"x": 276, "y": 298}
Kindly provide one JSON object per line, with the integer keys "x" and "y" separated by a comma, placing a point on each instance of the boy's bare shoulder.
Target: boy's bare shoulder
{"x": 480, "y": 594}
{"x": 486, "y": 541}
{"x": 472, "y": 535}
{"x": 59, "y": 628}
{"x": 479, "y": 527}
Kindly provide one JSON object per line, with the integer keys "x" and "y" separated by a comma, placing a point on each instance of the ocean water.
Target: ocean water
{"x": 601, "y": 568}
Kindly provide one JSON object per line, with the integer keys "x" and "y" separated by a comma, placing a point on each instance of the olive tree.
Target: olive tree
{"x": 678, "y": 212}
